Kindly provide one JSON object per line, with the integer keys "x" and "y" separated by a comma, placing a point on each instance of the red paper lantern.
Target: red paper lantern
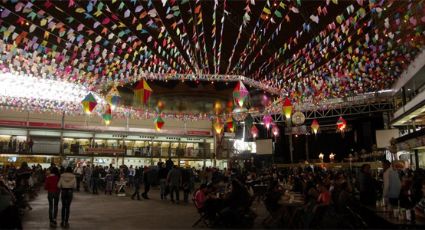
{"x": 341, "y": 124}
{"x": 254, "y": 131}
{"x": 315, "y": 126}
{"x": 158, "y": 123}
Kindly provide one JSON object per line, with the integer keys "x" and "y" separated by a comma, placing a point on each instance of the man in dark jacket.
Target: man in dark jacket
{"x": 95, "y": 179}
{"x": 367, "y": 186}
{"x": 148, "y": 174}
{"x": 138, "y": 177}
{"x": 162, "y": 174}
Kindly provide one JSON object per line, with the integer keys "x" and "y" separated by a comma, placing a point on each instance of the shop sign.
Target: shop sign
{"x": 12, "y": 123}
{"x": 44, "y": 125}
{"x": 105, "y": 151}
{"x": 198, "y": 133}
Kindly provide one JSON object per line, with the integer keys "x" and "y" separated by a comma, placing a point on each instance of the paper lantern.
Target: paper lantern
{"x": 275, "y": 130}
{"x": 239, "y": 114}
{"x": 254, "y": 131}
{"x": 229, "y": 106}
{"x": 142, "y": 92}
{"x": 113, "y": 98}
{"x": 341, "y": 124}
{"x": 315, "y": 126}
{"x": 218, "y": 107}
{"x": 265, "y": 100}
{"x": 218, "y": 126}
{"x": 240, "y": 93}
{"x": 107, "y": 116}
{"x": 158, "y": 123}
{"x": 267, "y": 120}
{"x": 89, "y": 103}
{"x": 230, "y": 125}
{"x": 160, "y": 106}
{"x": 287, "y": 108}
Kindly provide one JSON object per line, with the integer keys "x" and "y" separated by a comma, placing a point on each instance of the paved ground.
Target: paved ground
{"x": 112, "y": 212}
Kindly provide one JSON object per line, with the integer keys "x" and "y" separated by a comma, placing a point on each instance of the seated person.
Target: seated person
{"x": 212, "y": 203}
{"x": 273, "y": 196}
{"x": 236, "y": 204}
{"x": 324, "y": 195}
{"x": 201, "y": 197}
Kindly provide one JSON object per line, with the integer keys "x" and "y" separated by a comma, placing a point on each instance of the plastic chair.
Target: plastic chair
{"x": 202, "y": 214}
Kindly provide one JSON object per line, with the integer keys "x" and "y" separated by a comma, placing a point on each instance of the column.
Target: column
{"x": 62, "y": 128}
{"x": 215, "y": 149}
{"x": 151, "y": 151}
{"x": 92, "y": 143}
{"x": 124, "y": 146}
{"x": 28, "y": 129}
{"x": 291, "y": 148}
{"x": 307, "y": 158}
{"x": 204, "y": 155}
{"x": 416, "y": 159}
{"x": 403, "y": 96}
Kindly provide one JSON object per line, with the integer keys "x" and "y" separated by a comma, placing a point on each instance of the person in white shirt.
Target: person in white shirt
{"x": 66, "y": 184}
{"x": 78, "y": 171}
{"x": 131, "y": 173}
{"x": 392, "y": 184}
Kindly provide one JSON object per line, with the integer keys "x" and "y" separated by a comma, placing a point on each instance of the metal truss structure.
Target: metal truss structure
{"x": 377, "y": 107}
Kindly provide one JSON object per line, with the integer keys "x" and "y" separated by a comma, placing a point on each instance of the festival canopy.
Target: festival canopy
{"x": 305, "y": 50}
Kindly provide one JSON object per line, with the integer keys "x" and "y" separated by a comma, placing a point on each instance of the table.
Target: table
{"x": 259, "y": 191}
{"x": 386, "y": 214}
{"x": 291, "y": 202}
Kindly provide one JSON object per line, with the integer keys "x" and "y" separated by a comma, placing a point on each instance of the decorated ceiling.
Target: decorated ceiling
{"x": 304, "y": 49}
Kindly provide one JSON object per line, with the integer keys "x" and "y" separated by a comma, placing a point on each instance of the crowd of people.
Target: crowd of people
{"x": 331, "y": 198}
{"x": 17, "y": 146}
{"x": 18, "y": 186}
{"x": 339, "y": 198}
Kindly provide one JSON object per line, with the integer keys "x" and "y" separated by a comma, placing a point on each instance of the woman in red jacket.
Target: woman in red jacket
{"x": 51, "y": 185}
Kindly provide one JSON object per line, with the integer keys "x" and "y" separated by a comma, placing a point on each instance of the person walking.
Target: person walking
{"x": 95, "y": 179}
{"x": 51, "y": 185}
{"x": 131, "y": 173}
{"x": 109, "y": 180}
{"x": 147, "y": 180}
{"x": 367, "y": 186}
{"x": 162, "y": 174}
{"x": 188, "y": 183}
{"x": 67, "y": 183}
{"x": 392, "y": 184}
{"x": 87, "y": 171}
{"x": 30, "y": 144}
{"x": 78, "y": 171}
{"x": 174, "y": 180}
{"x": 137, "y": 181}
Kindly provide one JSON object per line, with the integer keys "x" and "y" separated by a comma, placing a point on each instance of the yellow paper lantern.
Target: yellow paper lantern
{"x": 287, "y": 108}
{"x": 218, "y": 126}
